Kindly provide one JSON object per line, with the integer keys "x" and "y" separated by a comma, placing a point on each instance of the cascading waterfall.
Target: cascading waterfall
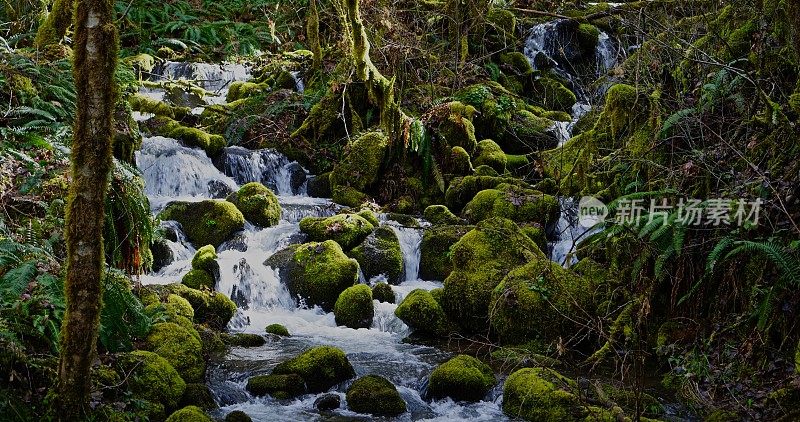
{"x": 174, "y": 172}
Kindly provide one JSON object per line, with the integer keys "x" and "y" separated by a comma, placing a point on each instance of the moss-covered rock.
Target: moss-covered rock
{"x": 440, "y": 215}
{"x": 420, "y": 311}
{"x": 244, "y": 340}
{"x": 460, "y": 163}
{"x": 279, "y": 386}
{"x": 237, "y": 416}
{"x": 348, "y": 230}
{"x": 258, "y": 204}
{"x": 354, "y": 307}
{"x": 206, "y": 259}
{"x": 542, "y": 394}
{"x": 380, "y": 254}
{"x": 189, "y": 136}
{"x": 512, "y": 202}
{"x": 189, "y": 414}
{"x": 321, "y": 368}
{"x": 206, "y": 222}
{"x": 348, "y": 196}
{"x": 481, "y": 258}
{"x": 174, "y": 309}
{"x": 516, "y": 62}
{"x": 531, "y": 301}
{"x": 435, "y": 250}
{"x": 588, "y": 37}
{"x": 239, "y": 90}
{"x": 454, "y": 126}
{"x": 553, "y": 95}
{"x": 319, "y": 186}
{"x": 462, "y": 378}
{"x": 180, "y": 347}
{"x": 360, "y": 168}
{"x": 198, "y": 279}
{"x": 382, "y": 292}
{"x": 211, "y": 308}
{"x": 463, "y": 189}
{"x": 277, "y": 329}
{"x": 152, "y": 378}
{"x": 375, "y": 395}
{"x": 537, "y": 233}
{"x": 316, "y": 272}
{"x": 199, "y": 395}
{"x": 369, "y": 216}
{"x": 490, "y": 154}
{"x": 145, "y": 104}
{"x": 211, "y": 340}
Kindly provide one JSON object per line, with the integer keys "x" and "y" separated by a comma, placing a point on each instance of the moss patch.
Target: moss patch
{"x": 152, "y": 378}
{"x": 258, "y": 204}
{"x": 490, "y": 154}
{"x": 189, "y": 136}
{"x": 422, "y": 313}
{"x": 382, "y": 292}
{"x": 354, "y": 307}
{"x": 180, "y": 348}
{"x": 435, "y": 250}
{"x": 348, "y": 230}
{"x": 320, "y": 367}
{"x": 512, "y": 202}
{"x": 206, "y": 222}
{"x": 279, "y": 386}
{"x": 380, "y": 253}
{"x": 461, "y": 378}
{"x": 440, "y": 215}
{"x": 189, "y": 414}
{"x": 376, "y": 396}
{"x": 277, "y": 329}
{"x": 360, "y": 167}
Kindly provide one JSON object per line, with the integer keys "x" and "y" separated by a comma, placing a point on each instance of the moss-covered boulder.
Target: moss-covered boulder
{"x": 490, "y": 154}
{"x": 277, "y": 329}
{"x": 542, "y": 394}
{"x": 361, "y": 165}
{"x": 452, "y": 122}
{"x": 198, "y": 394}
{"x": 237, "y": 416}
{"x": 321, "y": 368}
{"x": 211, "y": 308}
{"x": 435, "y": 250}
{"x": 462, "y": 378}
{"x": 512, "y": 202}
{"x": 348, "y": 230}
{"x": 279, "y": 386}
{"x": 144, "y": 104}
{"x": 198, "y": 279}
{"x": 531, "y": 301}
{"x": 316, "y": 272}
{"x": 516, "y": 62}
{"x": 463, "y": 189}
{"x": 440, "y": 215}
{"x": 382, "y": 292}
{"x": 375, "y": 395}
{"x": 174, "y": 309}
{"x": 152, "y": 378}
{"x": 206, "y": 259}
{"x": 189, "y": 414}
{"x": 553, "y": 95}
{"x": 258, "y": 204}
{"x": 189, "y": 136}
{"x": 459, "y": 162}
{"x": 369, "y": 216}
{"x": 354, "y": 307}
{"x": 420, "y": 311}
{"x": 244, "y": 340}
{"x": 240, "y": 89}
{"x": 481, "y": 258}
{"x": 206, "y": 222}
{"x": 380, "y": 254}
{"x": 180, "y": 347}
{"x": 348, "y": 196}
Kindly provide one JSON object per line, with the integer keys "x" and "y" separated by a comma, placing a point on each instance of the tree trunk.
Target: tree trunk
{"x": 312, "y": 33}
{"x": 55, "y": 26}
{"x": 793, "y": 12}
{"x": 95, "y": 60}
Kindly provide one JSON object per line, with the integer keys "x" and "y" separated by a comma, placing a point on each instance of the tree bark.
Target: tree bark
{"x": 95, "y": 59}
{"x": 793, "y": 12}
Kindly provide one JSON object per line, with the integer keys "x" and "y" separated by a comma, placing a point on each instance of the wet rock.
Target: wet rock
{"x": 380, "y": 254}
{"x": 237, "y": 416}
{"x": 327, "y": 401}
{"x": 162, "y": 254}
{"x": 354, "y": 307}
{"x": 258, "y": 204}
{"x": 461, "y": 378}
{"x": 376, "y": 396}
{"x": 348, "y": 230}
{"x": 382, "y": 292}
{"x": 208, "y": 222}
{"x": 422, "y": 313}
{"x": 320, "y": 367}
{"x": 285, "y": 386}
{"x": 297, "y": 177}
{"x": 218, "y": 189}
{"x": 278, "y": 330}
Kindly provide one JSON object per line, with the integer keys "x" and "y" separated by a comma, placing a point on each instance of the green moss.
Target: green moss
{"x": 189, "y": 414}
{"x": 435, "y": 250}
{"x": 181, "y": 306}
{"x": 375, "y": 395}
{"x": 321, "y": 368}
{"x": 142, "y": 64}
{"x": 282, "y": 387}
{"x": 536, "y": 232}
{"x": 553, "y": 95}
{"x": 145, "y": 104}
{"x": 794, "y": 101}
{"x": 348, "y": 196}
{"x": 319, "y": 272}
{"x": 369, "y": 216}
{"x": 517, "y": 164}
{"x": 354, "y": 307}
{"x": 490, "y": 154}
{"x": 206, "y": 222}
{"x": 237, "y": 416}
{"x": 486, "y": 171}
{"x": 422, "y": 313}
{"x": 199, "y": 395}
{"x": 382, "y": 292}
{"x": 348, "y": 230}
{"x": 219, "y": 311}
{"x": 189, "y": 136}
{"x": 206, "y": 259}
{"x": 461, "y": 378}
{"x": 531, "y": 301}
{"x": 621, "y": 111}
{"x": 588, "y": 36}
{"x": 180, "y": 348}
{"x": 277, "y": 329}
{"x": 360, "y": 168}
{"x": 211, "y": 340}
{"x": 440, "y": 215}
{"x": 380, "y": 254}
{"x": 244, "y": 340}
{"x": 463, "y": 189}
{"x": 525, "y": 132}
{"x": 460, "y": 162}
{"x": 512, "y": 202}
{"x": 797, "y": 359}
{"x": 516, "y": 61}
{"x": 198, "y": 279}
{"x": 504, "y": 23}
{"x": 541, "y": 394}
{"x": 557, "y": 116}
{"x": 258, "y": 204}
{"x": 239, "y": 90}
{"x": 481, "y": 258}
{"x": 153, "y": 378}
{"x": 455, "y": 127}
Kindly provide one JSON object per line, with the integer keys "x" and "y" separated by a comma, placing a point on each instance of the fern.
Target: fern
{"x": 122, "y": 318}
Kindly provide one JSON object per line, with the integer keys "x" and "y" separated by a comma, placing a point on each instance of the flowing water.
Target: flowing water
{"x": 175, "y": 172}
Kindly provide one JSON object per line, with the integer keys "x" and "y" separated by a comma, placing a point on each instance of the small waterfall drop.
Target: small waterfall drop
{"x": 266, "y": 166}
{"x": 410, "y": 239}
{"x": 569, "y": 233}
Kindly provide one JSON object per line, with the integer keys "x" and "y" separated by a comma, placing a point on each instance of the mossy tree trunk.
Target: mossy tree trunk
{"x": 312, "y": 33}
{"x": 95, "y": 59}
{"x": 793, "y": 11}
{"x": 56, "y": 24}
